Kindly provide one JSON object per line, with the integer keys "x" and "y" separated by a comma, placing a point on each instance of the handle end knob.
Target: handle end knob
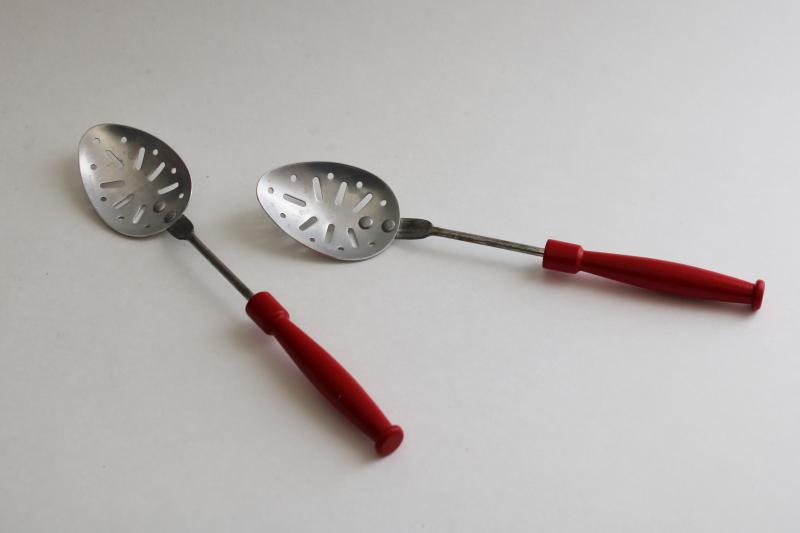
{"x": 389, "y": 440}
{"x": 758, "y": 294}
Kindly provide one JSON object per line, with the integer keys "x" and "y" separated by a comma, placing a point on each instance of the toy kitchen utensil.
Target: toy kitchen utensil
{"x": 140, "y": 187}
{"x": 350, "y": 214}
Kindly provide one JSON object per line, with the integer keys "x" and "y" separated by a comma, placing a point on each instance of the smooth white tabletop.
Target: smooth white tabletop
{"x": 136, "y": 395}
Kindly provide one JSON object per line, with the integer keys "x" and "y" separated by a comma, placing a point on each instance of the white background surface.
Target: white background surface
{"x": 135, "y": 395}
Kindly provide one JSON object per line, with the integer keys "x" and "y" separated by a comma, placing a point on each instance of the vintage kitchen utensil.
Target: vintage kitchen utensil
{"x": 350, "y": 214}
{"x": 140, "y": 187}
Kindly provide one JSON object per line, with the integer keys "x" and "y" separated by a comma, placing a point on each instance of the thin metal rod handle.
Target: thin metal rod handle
{"x": 183, "y": 229}
{"x": 487, "y": 241}
{"x": 223, "y": 269}
{"x": 419, "y": 228}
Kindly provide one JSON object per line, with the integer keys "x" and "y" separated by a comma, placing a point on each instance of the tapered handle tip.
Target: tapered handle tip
{"x": 389, "y": 440}
{"x": 758, "y": 294}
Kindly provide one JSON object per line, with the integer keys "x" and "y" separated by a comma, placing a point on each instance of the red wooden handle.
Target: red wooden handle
{"x": 327, "y": 375}
{"x": 664, "y": 276}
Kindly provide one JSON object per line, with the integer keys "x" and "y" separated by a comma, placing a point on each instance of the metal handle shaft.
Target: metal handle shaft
{"x": 183, "y": 229}
{"x": 418, "y": 228}
{"x": 487, "y": 241}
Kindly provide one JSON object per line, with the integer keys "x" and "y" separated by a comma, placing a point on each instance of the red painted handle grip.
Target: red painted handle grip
{"x": 327, "y": 375}
{"x": 664, "y": 276}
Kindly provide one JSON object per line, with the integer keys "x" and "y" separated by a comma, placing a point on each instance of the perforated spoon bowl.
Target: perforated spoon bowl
{"x": 350, "y": 214}
{"x": 140, "y": 187}
{"x": 338, "y": 210}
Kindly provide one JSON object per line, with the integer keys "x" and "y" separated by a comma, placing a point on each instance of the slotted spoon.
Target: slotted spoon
{"x": 140, "y": 187}
{"x": 350, "y": 214}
